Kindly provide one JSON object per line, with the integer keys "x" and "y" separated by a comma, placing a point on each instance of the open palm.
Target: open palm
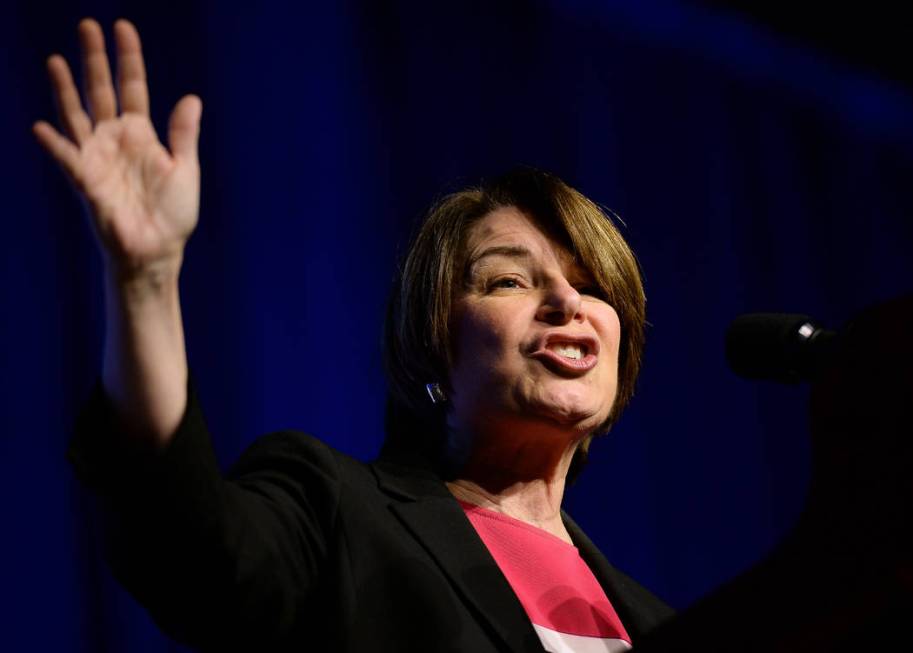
{"x": 144, "y": 198}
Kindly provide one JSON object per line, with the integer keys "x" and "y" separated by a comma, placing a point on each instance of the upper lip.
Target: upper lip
{"x": 589, "y": 344}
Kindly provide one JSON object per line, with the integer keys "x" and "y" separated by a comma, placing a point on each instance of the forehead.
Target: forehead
{"x": 509, "y": 226}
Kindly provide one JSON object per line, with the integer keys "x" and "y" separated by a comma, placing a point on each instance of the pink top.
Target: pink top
{"x": 567, "y": 606}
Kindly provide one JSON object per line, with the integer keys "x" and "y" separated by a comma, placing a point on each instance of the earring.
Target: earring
{"x": 436, "y": 393}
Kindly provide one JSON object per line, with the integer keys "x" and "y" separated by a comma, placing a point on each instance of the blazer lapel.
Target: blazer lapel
{"x": 437, "y": 521}
{"x": 638, "y": 610}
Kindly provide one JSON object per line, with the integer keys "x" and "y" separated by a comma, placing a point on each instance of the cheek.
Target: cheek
{"x": 608, "y": 327}
{"x": 485, "y": 333}
{"x": 486, "y": 345}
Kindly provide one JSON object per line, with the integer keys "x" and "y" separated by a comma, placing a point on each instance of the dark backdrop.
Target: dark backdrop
{"x": 751, "y": 174}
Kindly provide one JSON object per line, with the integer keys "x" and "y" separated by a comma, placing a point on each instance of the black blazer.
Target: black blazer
{"x": 303, "y": 548}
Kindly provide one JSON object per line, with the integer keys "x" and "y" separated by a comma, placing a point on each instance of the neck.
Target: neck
{"x": 523, "y": 477}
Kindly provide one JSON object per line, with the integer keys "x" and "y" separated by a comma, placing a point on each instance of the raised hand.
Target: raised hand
{"x": 144, "y": 198}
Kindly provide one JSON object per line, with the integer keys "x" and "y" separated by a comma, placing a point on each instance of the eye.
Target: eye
{"x": 505, "y": 282}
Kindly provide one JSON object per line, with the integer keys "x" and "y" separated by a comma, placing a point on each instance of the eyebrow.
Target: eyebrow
{"x": 510, "y": 251}
{"x": 515, "y": 252}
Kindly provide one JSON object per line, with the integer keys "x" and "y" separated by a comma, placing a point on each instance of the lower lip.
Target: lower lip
{"x": 578, "y": 365}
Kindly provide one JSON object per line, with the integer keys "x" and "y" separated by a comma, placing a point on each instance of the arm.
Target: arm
{"x": 219, "y": 564}
{"x": 189, "y": 546}
{"x": 143, "y": 200}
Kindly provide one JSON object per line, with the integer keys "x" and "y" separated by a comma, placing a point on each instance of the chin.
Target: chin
{"x": 562, "y": 404}
{"x": 583, "y": 418}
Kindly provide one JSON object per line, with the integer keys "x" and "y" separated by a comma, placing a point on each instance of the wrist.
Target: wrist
{"x": 150, "y": 280}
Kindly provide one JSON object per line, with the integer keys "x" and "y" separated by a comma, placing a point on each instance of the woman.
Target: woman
{"x": 514, "y": 336}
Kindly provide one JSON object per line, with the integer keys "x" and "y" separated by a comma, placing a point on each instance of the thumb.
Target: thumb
{"x": 184, "y": 128}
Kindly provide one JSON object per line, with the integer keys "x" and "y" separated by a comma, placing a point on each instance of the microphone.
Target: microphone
{"x": 782, "y": 347}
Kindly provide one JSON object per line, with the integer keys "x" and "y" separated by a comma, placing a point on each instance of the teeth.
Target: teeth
{"x": 568, "y": 351}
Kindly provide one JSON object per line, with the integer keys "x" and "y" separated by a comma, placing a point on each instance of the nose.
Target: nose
{"x": 561, "y": 304}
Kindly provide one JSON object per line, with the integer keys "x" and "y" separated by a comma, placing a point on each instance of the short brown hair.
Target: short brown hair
{"x": 417, "y": 339}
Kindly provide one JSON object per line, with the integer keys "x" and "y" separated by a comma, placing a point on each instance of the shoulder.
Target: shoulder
{"x": 295, "y": 454}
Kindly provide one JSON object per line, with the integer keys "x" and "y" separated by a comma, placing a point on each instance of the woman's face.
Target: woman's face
{"x": 534, "y": 343}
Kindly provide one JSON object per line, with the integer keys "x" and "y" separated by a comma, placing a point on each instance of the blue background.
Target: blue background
{"x": 752, "y": 175}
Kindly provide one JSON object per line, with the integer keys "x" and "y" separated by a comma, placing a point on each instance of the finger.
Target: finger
{"x": 184, "y": 128}
{"x": 96, "y": 72}
{"x": 72, "y": 116}
{"x": 131, "y": 71}
{"x": 58, "y": 146}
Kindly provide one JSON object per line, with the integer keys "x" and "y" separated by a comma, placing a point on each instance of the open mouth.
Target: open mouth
{"x": 568, "y": 355}
{"x": 571, "y": 351}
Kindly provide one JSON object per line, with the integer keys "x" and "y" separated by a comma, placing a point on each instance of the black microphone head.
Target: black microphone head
{"x": 782, "y": 347}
